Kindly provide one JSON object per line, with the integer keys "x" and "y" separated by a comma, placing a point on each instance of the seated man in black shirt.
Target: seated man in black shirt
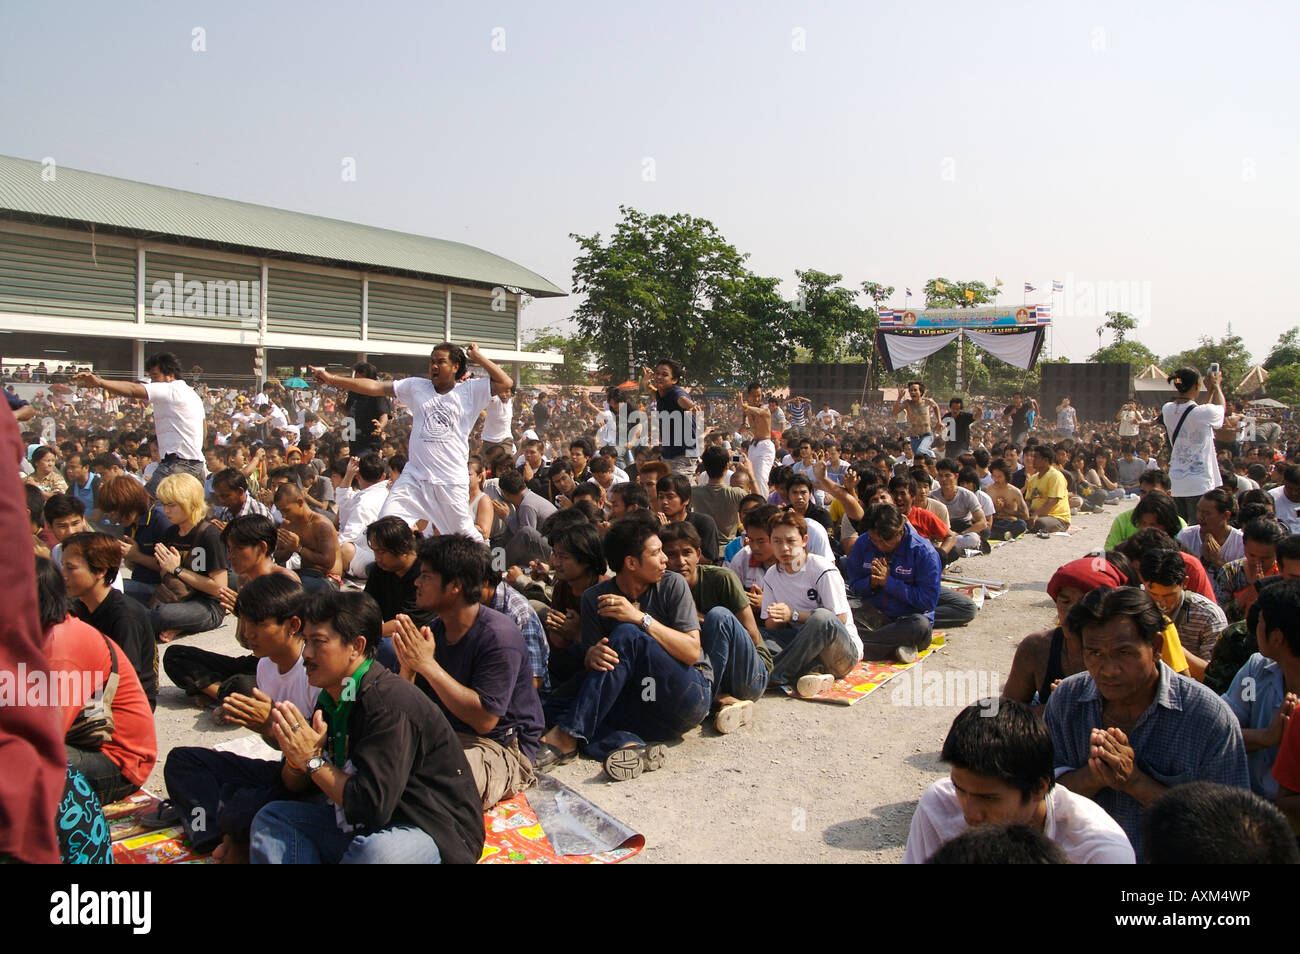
{"x": 90, "y": 564}
{"x": 673, "y": 500}
{"x": 396, "y": 786}
{"x": 473, "y": 662}
{"x": 391, "y": 580}
{"x": 648, "y": 679}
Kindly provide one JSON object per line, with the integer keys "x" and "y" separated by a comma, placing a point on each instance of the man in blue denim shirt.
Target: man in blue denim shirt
{"x": 1130, "y": 728}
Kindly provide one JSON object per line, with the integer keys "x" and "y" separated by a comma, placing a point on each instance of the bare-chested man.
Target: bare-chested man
{"x": 922, "y": 417}
{"x": 307, "y": 534}
{"x": 1010, "y": 512}
{"x": 1226, "y": 437}
{"x": 762, "y": 452}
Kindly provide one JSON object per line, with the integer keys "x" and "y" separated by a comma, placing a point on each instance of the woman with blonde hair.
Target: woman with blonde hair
{"x": 192, "y": 561}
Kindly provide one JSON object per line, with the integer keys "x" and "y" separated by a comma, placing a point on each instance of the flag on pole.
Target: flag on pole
{"x": 909, "y": 292}
{"x": 1057, "y": 287}
{"x": 997, "y": 282}
{"x": 940, "y": 287}
{"x": 1028, "y": 288}
{"x": 970, "y": 295}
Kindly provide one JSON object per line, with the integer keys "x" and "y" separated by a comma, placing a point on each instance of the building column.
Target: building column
{"x": 137, "y": 359}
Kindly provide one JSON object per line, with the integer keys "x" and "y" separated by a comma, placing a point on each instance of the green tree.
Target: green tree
{"x": 1283, "y": 384}
{"x": 576, "y": 353}
{"x": 1133, "y": 353}
{"x": 1230, "y": 351}
{"x": 1120, "y": 323}
{"x": 671, "y": 285}
{"x": 946, "y": 293}
{"x": 1286, "y": 351}
{"x": 826, "y": 319}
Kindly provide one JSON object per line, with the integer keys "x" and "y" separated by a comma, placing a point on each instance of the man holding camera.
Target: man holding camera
{"x": 1193, "y": 465}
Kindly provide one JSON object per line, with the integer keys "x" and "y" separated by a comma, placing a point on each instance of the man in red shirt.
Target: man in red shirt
{"x": 903, "y": 490}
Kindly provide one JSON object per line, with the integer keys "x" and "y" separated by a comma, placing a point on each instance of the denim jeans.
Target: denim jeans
{"x": 647, "y": 697}
{"x": 219, "y": 793}
{"x": 738, "y": 669}
{"x": 173, "y": 465}
{"x": 954, "y": 609}
{"x": 822, "y": 640}
{"x": 968, "y": 541}
{"x": 189, "y": 616}
{"x": 881, "y": 635}
{"x": 1004, "y": 525}
{"x": 103, "y": 774}
{"x": 921, "y": 443}
{"x": 305, "y": 833}
{"x": 138, "y": 591}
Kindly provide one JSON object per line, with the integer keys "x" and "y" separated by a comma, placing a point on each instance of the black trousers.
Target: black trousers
{"x": 218, "y": 793}
{"x": 103, "y": 774}
{"x": 193, "y": 669}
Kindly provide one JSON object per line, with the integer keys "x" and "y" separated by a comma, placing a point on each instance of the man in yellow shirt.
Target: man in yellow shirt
{"x": 1046, "y": 492}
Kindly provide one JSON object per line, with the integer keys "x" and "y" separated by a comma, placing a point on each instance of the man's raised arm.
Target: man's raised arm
{"x": 502, "y": 383}
{"x": 131, "y": 389}
{"x": 366, "y": 386}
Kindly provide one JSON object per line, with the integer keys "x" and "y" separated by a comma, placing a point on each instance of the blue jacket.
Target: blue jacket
{"x": 913, "y": 582}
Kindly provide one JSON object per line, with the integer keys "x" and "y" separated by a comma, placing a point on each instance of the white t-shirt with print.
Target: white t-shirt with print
{"x": 1193, "y": 466}
{"x": 817, "y": 585}
{"x": 440, "y": 426}
{"x": 177, "y": 418}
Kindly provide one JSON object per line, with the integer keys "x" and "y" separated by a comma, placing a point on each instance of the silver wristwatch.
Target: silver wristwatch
{"x": 646, "y": 620}
{"x": 314, "y": 763}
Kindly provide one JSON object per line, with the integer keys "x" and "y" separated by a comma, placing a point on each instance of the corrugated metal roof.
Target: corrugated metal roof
{"x": 158, "y": 211}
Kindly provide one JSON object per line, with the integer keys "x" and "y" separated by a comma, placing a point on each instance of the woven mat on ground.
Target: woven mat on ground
{"x": 514, "y": 834}
{"x": 866, "y": 678}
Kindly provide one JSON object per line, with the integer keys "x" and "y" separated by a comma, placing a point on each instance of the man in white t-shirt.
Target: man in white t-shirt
{"x": 805, "y": 609}
{"x": 434, "y": 486}
{"x": 177, "y": 415}
{"x": 1002, "y": 773}
{"x": 1286, "y": 499}
{"x": 496, "y": 424}
{"x": 1193, "y": 464}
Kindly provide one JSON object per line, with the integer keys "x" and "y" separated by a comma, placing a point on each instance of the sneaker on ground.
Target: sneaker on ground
{"x": 906, "y": 654}
{"x": 813, "y": 683}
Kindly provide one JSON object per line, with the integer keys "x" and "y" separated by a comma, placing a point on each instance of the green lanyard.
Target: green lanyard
{"x": 338, "y": 713}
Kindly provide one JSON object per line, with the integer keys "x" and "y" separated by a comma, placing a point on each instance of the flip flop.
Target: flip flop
{"x": 623, "y": 765}
{"x": 166, "y": 815}
{"x": 733, "y": 716}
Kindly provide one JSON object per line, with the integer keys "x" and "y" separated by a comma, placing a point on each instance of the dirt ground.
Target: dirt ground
{"x": 809, "y": 782}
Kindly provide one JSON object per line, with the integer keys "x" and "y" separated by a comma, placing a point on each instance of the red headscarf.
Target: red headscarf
{"x": 1086, "y": 574}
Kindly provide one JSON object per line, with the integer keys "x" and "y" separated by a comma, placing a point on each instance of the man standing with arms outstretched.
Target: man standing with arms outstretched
{"x": 177, "y": 414}
{"x": 762, "y": 452}
{"x": 922, "y": 415}
{"x": 434, "y": 485}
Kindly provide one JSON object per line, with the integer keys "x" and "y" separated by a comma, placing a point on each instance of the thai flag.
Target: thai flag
{"x": 1057, "y": 287}
{"x": 1042, "y": 314}
{"x": 1028, "y": 288}
{"x": 909, "y": 292}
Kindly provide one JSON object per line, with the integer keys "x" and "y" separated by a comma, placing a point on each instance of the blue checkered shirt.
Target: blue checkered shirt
{"x": 1188, "y": 734}
{"x": 512, "y": 603}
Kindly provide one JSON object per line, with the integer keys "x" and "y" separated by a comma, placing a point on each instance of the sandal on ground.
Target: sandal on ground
{"x": 733, "y": 716}
{"x": 166, "y": 815}
{"x": 549, "y": 757}
{"x": 622, "y": 765}
{"x": 813, "y": 683}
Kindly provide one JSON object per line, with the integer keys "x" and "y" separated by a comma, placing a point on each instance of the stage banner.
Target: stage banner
{"x": 991, "y": 316}
{"x": 1017, "y": 346}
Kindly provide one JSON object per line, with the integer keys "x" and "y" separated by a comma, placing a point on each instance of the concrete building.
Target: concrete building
{"x": 103, "y": 270}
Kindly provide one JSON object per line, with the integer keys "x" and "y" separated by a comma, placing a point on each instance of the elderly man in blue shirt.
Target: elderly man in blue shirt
{"x": 1130, "y": 728}
{"x": 895, "y": 572}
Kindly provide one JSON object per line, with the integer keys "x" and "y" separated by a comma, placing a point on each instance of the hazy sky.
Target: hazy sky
{"x": 1152, "y": 146}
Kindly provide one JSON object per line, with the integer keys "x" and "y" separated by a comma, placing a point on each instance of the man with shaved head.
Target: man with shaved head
{"x": 309, "y": 535}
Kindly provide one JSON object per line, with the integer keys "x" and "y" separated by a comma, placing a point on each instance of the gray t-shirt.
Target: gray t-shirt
{"x": 961, "y": 506}
{"x": 669, "y": 601}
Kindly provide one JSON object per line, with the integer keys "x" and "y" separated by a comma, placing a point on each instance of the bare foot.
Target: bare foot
{"x": 561, "y": 740}
{"x": 167, "y": 635}
{"x": 230, "y": 852}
